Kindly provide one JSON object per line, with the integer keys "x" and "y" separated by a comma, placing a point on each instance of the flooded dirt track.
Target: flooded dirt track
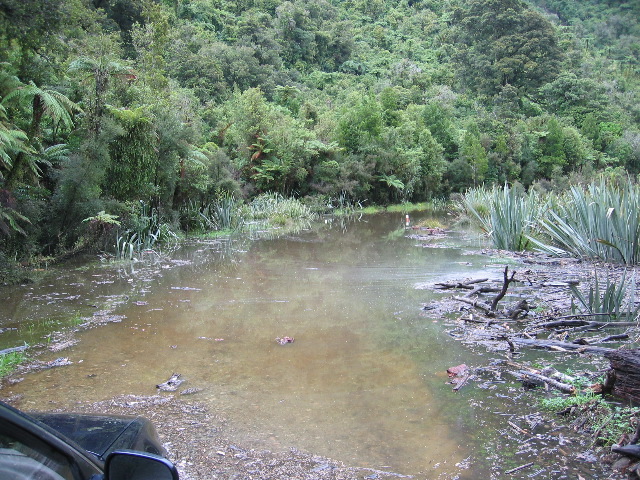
{"x": 362, "y": 383}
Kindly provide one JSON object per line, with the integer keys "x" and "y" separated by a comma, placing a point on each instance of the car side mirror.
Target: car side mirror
{"x": 135, "y": 465}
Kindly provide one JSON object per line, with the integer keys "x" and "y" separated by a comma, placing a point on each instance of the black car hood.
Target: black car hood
{"x": 101, "y": 435}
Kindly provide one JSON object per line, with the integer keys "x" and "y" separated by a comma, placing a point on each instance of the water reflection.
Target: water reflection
{"x": 362, "y": 383}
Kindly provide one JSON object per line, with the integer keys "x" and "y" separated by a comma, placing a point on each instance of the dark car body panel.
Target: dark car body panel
{"x": 51, "y": 446}
{"x": 101, "y": 435}
{"x": 17, "y": 424}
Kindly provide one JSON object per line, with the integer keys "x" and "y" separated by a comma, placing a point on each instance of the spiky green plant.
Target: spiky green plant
{"x": 599, "y": 222}
{"x": 615, "y": 301}
{"x": 507, "y": 216}
{"x": 270, "y": 205}
{"x": 226, "y": 211}
{"x": 146, "y": 234}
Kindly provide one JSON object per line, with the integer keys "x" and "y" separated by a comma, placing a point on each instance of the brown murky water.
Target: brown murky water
{"x": 363, "y": 383}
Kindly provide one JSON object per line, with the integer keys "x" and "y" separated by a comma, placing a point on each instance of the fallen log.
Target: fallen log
{"x": 593, "y": 341}
{"x": 484, "y": 289}
{"x": 564, "y": 346}
{"x": 624, "y": 378}
{"x": 585, "y": 323}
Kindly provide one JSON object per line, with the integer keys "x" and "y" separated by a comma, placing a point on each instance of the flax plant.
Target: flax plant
{"x": 273, "y": 205}
{"x": 600, "y": 222}
{"x": 614, "y": 301}
{"x": 507, "y": 216}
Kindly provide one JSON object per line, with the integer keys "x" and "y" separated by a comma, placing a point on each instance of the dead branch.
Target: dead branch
{"x": 465, "y": 285}
{"x": 562, "y": 346}
{"x": 517, "y": 428}
{"x": 476, "y": 304}
{"x": 521, "y": 467}
{"x": 636, "y": 436}
{"x": 484, "y": 289}
{"x": 563, "y": 387}
{"x": 505, "y": 286}
{"x": 593, "y": 341}
{"x": 585, "y": 323}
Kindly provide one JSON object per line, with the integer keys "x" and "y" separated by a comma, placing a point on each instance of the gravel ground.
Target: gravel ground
{"x": 195, "y": 440}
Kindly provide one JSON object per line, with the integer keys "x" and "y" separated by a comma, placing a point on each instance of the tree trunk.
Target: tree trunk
{"x": 624, "y": 376}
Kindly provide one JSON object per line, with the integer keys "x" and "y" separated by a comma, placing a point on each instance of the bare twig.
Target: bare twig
{"x": 521, "y": 467}
{"x": 505, "y": 286}
{"x": 476, "y": 304}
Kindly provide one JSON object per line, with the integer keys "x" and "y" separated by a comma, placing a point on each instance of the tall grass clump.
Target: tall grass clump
{"x": 601, "y": 221}
{"x": 146, "y": 231}
{"x": 275, "y": 207}
{"x": 223, "y": 213}
{"x": 507, "y": 215}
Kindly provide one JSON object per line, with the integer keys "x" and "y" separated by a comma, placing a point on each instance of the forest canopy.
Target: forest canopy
{"x": 119, "y": 107}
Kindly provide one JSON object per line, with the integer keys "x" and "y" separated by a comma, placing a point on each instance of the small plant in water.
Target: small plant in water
{"x": 559, "y": 403}
{"x": 147, "y": 232}
{"x": 613, "y": 422}
{"x": 9, "y": 362}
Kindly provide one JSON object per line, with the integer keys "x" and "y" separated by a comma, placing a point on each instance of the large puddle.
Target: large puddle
{"x": 363, "y": 383}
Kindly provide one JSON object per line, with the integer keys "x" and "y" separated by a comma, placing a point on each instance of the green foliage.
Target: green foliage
{"x": 613, "y": 422}
{"x": 146, "y": 232}
{"x": 10, "y": 361}
{"x": 133, "y": 157}
{"x": 615, "y": 301}
{"x": 506, "y": 215}
{"x": 505, "y": 43}
{"x": 599, "y": 222}
{"x": 559, "y": 403}
{"x": 607, "y": 422}
{"x": 272, "y": 205}
{"x": 9, "y": 218}
{"x": 171, "y": 102}
{"x": 360, "y": 124}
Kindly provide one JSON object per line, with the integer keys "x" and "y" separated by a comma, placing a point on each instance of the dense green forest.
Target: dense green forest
{"x": 115, "y": 112}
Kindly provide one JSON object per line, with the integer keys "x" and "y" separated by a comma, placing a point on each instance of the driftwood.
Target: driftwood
{"x": 593, "y": 341}
{"x": 585, "y": 323}
{"x": 476, "y": 304}
{"x": 562, "y": 346}
{"x": 482, "y": 289}
{"x": 624, "y": 378}
{"x": 464, "y": 285}
{"x": 538, "y": 378}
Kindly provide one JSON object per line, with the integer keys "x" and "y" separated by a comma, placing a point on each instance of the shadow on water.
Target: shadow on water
{"x": 363, "y": 383}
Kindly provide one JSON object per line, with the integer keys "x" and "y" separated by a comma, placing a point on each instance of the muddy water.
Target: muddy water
{"x": 363, "y": 382}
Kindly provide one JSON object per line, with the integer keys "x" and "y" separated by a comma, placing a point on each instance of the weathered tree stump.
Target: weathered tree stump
{"x": 624, "y": 376}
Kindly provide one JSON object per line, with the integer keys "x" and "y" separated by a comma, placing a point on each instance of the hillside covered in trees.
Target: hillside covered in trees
{"x": 117, "y": 110}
